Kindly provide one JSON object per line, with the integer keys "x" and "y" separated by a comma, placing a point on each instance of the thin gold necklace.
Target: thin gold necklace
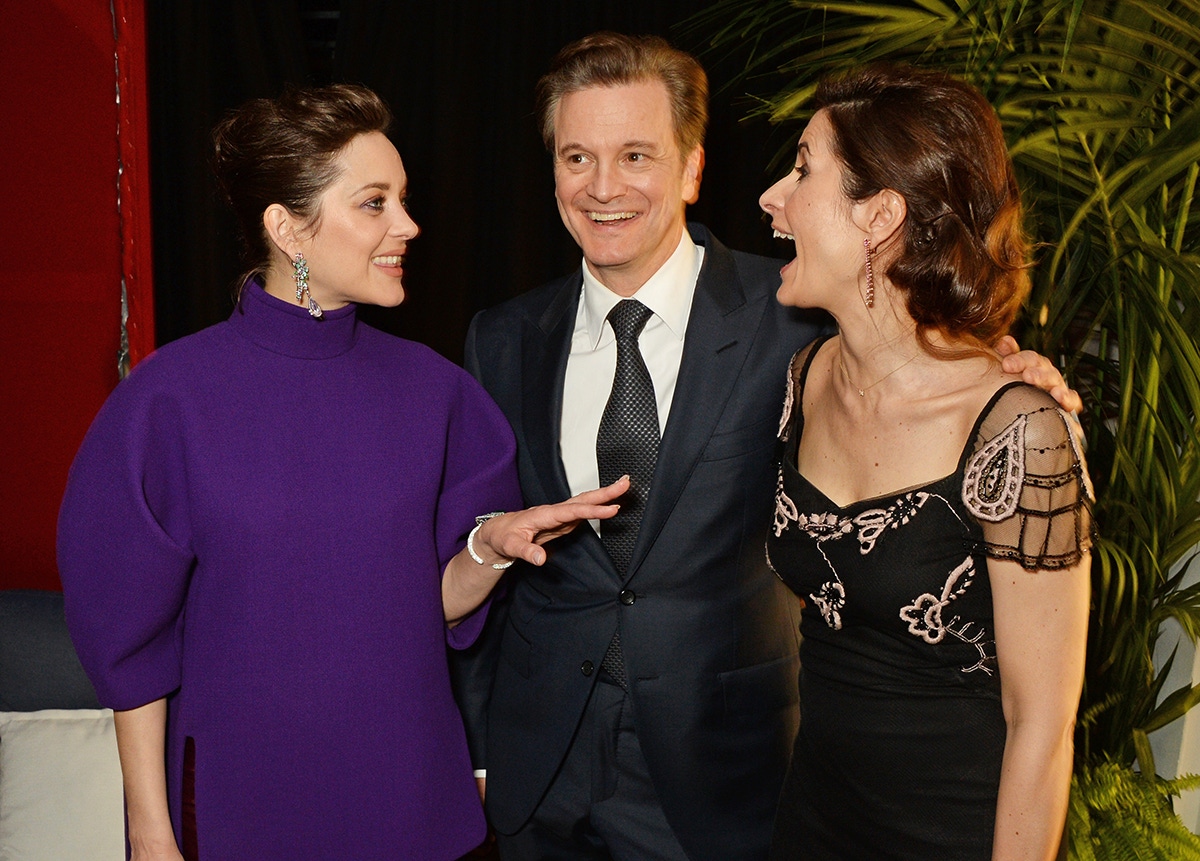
{"x": 862, "y": 393}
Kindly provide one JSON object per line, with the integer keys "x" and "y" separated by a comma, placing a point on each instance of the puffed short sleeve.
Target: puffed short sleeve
{"x": 1026, "y": 482}
{"x": 480, "y": 476}
{"x": 123, "y": 547}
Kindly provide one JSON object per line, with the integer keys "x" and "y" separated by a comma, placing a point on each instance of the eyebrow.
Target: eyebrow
{"x": 382, "y": 186}
{"x": 801, "y": 146}
{"x": 631, "y": 144}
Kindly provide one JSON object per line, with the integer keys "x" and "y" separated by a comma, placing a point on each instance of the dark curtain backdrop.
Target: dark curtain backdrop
{"x": 459, "y": 77}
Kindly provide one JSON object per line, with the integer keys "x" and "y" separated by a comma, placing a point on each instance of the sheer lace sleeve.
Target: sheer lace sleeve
{"x": 1027, "y": 483}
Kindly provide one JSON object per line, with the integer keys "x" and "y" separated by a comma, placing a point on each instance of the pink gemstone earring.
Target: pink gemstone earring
{"x": 870, "y": 297}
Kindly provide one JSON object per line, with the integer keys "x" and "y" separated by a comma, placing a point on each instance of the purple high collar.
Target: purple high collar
{"x": 289, "y": 330}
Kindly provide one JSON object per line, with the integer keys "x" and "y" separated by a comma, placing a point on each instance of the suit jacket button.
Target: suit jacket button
{"x": 587, "y": 667}
{"x": 627, "y": 597}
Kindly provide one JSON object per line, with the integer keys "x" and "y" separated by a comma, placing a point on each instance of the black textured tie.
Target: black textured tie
{"x": 627, "y": 443}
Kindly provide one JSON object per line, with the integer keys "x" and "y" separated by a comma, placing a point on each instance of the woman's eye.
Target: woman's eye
{"x": 801, "y": 171}
{"x": 375, "y": 203}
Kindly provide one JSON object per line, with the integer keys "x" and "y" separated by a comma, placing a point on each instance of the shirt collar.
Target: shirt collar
{"x": 667, "y": 293}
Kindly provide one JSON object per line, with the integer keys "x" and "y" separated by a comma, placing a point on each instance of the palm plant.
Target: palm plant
{"x": 1100, "y": 102}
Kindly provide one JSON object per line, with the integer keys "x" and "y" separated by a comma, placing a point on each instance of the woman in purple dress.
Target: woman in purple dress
{"x": 275, "y": 526}
{"x": 932, "y": 512}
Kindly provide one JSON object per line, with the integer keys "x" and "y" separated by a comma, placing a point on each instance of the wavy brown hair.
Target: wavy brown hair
{"x": 962, "y": 260}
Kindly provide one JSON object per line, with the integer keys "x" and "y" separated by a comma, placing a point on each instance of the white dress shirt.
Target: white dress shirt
{"x": 592, "y": 363}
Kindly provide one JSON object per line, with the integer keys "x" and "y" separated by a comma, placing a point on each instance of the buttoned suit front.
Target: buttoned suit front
{"x": 709, "y": 633}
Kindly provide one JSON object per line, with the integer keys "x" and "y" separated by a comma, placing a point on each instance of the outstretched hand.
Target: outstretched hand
{"x": 521, "y": 534}
{"x": 1039, "y": 371}
{"x": 467, "y": 581}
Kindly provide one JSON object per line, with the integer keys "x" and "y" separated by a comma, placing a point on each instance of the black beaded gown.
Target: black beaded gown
{"x": 902, "y": 732}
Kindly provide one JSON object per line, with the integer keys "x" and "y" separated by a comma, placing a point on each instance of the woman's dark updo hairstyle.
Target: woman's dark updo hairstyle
{"x": 962, "y": 255}
{"x": 285, "y": 151}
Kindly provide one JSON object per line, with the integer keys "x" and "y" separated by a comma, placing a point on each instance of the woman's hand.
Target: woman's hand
{"x": 521, "y": 534}
{"x": 518, "y": 535}
{"x": 1039, "y": 371}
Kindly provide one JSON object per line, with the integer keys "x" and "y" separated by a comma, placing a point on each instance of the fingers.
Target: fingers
{"x": 598, "y": 504}
{"x": 1007, "y": 346}
{"x": 601, "y": 495}
{"x": 547, "y": 522}
{"x": 1067, "y": 398}
{"x": 1039, "y": 371}
{"x": 508, "y": 537}
{"x": 520, "y": 534}
{"x": 1025, "y": 362}
{"x": 534, "y": 554}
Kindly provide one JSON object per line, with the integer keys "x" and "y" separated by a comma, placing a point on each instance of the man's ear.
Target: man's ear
{"x": 282, "y": 226}
{"x": 693, "y": 171}
{"x": 881, "y": 215}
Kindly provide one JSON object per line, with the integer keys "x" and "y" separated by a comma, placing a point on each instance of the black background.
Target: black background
{"x": 459, "y": 77}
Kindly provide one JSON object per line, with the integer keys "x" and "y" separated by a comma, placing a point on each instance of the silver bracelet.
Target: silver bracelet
{"x": 479, "y": 521}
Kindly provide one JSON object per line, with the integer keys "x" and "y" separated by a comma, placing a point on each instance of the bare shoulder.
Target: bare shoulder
{"x": 981, "y": 380}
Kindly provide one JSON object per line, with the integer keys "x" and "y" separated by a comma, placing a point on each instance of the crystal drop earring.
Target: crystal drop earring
{"x": 300, "y": 265}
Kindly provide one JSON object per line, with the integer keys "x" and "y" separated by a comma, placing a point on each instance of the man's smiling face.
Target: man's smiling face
{"x": 621, "y": 182}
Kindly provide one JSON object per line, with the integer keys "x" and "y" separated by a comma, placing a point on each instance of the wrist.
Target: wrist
{"x": 471, "y": 536}
{"x": 152, "y": 840}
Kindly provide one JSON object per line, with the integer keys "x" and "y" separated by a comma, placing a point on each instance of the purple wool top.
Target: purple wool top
{"x": 255, "y": 527}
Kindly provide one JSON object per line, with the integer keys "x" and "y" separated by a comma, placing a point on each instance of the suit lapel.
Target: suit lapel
{"x": 720, "y": 332}
{"x": 544, "y": 365}
{"x": 544, "y": 358}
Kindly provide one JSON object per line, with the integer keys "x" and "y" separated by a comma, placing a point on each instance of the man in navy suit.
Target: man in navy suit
{"x": 644, "y": 709}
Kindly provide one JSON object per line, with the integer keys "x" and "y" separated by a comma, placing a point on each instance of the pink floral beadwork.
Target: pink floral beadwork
{"x": 830, "y": 600}
{"x": 992, "y": 484}
{"x": 825, "y": 527}
{"x": 785, "y": 509}
{"x": 924, "y": 615}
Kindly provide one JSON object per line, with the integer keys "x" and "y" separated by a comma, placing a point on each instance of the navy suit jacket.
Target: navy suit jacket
{"x": 711, "y": 637}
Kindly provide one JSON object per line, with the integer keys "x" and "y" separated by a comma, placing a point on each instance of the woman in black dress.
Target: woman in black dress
{"x": 932, "y": 512}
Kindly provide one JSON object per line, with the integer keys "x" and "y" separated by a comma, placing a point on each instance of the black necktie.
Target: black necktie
{"x": 627, "y": 443}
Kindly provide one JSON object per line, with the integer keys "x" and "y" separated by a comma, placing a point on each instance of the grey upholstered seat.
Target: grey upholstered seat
{"x": 38, "y": 665}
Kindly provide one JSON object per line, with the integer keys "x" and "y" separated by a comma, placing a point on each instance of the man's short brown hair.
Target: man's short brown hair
{"x": 607, "y": 59}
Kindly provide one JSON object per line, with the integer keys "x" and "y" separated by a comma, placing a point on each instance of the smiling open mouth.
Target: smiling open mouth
{"x": 390, "y": 260}
{"x": 787, "y": 236}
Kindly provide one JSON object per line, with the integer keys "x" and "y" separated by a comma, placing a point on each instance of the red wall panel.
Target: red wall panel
{"x": 61, "y": 246}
